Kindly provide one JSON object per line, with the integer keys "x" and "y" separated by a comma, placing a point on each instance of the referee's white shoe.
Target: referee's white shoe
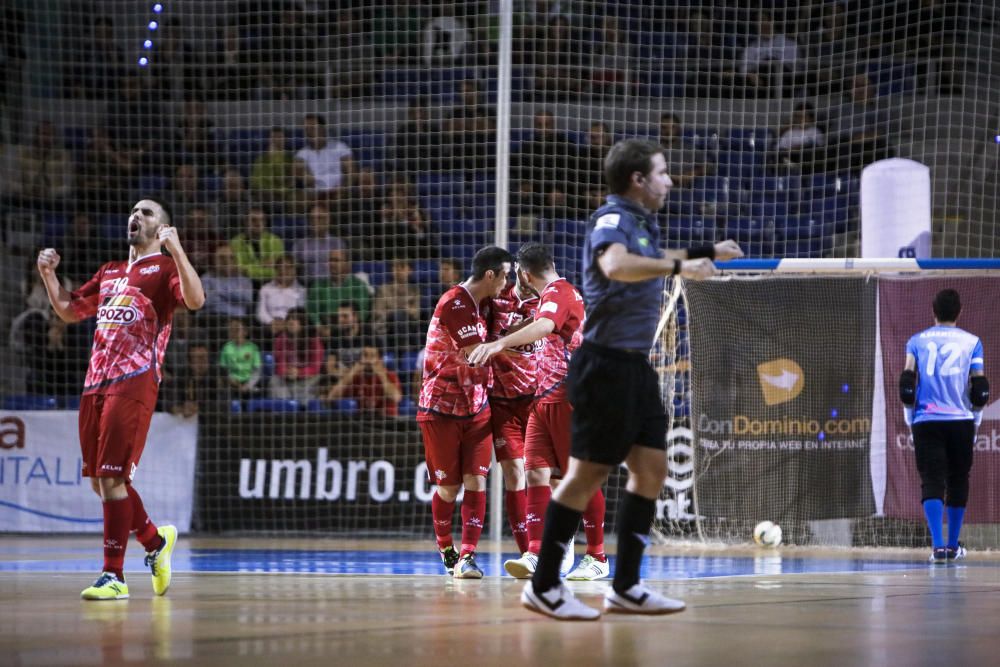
{"x": 558, "y": 602}
{"x": 640, "y": 599}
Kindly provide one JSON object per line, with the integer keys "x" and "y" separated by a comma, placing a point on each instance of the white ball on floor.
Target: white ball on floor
{"x": 767, "y": 534}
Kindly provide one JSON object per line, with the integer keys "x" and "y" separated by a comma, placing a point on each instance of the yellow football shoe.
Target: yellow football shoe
{"x": 107, "y": 587}
{"x": 159, "y": 561}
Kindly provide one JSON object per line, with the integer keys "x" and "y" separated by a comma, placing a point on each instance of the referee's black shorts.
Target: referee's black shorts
{"x": 616, "y": 404}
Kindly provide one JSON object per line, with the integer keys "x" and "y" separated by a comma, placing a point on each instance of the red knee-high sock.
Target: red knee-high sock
{"x": 117, "y": 526}
{"x": 538, "y": 502}
{"x": 442, "y": 512}
{"x": 516, "y": 507}
{"x": 593, "y": 525}
{"x": 145, "y": 530}
{"x": 473, "y": 513}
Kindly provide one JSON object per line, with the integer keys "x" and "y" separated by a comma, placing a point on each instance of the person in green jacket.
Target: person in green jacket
{"x": 326, "y": 294}
{"x": 256, "y": 248}
{"x": 240, "y": 359}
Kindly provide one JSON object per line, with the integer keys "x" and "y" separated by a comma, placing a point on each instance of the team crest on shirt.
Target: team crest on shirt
{"x": 146, "y": 270}
{"x": 500, "y": 443}
{"x": 440, "y": 474}
{"x": 608, "y": 221}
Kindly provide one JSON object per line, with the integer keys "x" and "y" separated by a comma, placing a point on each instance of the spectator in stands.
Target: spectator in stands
{"x": 280, "y": 295}
{"x": 183, "y": 333}
{"x": 257, "y": 249}
{"x": 323, "y": 166}
{"x": 57, "y": 356}
{"x": 84, "y": 248}
{"x": 710, "y": 60}
{"x": 240, "y": 360}
{"x": 416, "y": 146}
{"x": 230, "y": 66}
{"x": 350, "y": 334}
{"x": 349, "y": 45}
{"x": 194, "y": 137}
{"x": 187, "y": 190}
{"x": 770, "y": 61}
{"x": 470, "y": 131}
{"x": 272, "y": 176}
{"x": 105, "y": 173}
{"x": 590, "y": 169}
{"x": 560, "y": 68}
{"x": 376, "y": 389}
{"x": 404, "y": 228}
{"x": 326, "y": 294}
{"x": 291, "y": 54}
{"x": 544, "y": 160}
{"x": 800, "y": 135}
{"x": 228, "y": 293}
{"x": 234, "y": 201}
{"x": 44, "y": 170}
{"x": 396, "y": 309}
{"x": 859, "y": 128}
{"x": 449, "y": 274}
{"x": 355, "y": 215}
{"x": 684, "y": 162}
{"x": 313, "y": 252}
{"x": 298, "y": 359}
{"x": 99, "y": 65}
{"x": 201, "y": 236}
{"x": 610, "y": 60}
{"x": 445, "y": 37}
{"x": 195, "y": 389}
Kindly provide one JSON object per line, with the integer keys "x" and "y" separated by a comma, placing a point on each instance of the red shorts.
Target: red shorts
{"x": 456, "y": 447}
{"x": 546, "y": 444}
{"x": 112, "y": 434}
{"x": 510, "y": 421}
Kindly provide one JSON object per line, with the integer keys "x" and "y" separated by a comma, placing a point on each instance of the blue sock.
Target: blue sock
{"x": 955, "y": 517}
{"x": 934, "y": 511}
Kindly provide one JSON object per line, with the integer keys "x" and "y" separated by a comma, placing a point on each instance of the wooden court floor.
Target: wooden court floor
{"x": 917, "y": 615}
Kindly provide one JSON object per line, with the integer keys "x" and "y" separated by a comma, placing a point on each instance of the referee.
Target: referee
{"x": 617, "y": 412}
{"x": 944, "y": 389}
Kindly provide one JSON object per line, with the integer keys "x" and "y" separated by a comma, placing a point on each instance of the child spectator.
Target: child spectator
{"x": 240, "y": 359}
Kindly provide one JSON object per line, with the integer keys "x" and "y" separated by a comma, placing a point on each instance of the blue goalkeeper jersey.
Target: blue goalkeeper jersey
{"x": 945, "y": 355}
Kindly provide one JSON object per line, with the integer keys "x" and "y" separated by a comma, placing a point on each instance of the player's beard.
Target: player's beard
{"x": 143, "y": 237}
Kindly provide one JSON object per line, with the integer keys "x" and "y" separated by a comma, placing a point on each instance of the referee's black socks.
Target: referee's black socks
{"x": 635, "y": 518}
{"x": 561, "y": 524}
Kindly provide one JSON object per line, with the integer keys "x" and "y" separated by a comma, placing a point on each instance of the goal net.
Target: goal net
{"x": 786, "y": 409}
{"x": 332, "y": 168}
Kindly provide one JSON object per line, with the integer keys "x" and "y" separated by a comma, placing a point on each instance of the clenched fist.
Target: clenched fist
{"x": 728, "y": 249}
{"x": 169, "y": 239}
{"x": 48, "y": 260}
{"x": 698, "y": 269}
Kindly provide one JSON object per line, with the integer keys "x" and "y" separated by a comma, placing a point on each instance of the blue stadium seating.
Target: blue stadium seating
{"x": 30, "y": 402}
{"x": 290, "y": 227}
{"x": 407, "y": 407}
{"x": 272, "y": 405}
{"x": 892, "y": 78}
{"x": 691, "y": 229}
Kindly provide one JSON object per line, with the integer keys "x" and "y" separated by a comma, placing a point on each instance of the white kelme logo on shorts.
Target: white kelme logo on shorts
{"x": 781, "y": 380}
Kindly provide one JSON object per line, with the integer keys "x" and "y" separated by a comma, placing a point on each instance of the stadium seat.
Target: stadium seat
{"x": 71, "y": 402}
{"x": 892, "y": 78}
{"x": 407, "y": 407}
{"x": 691, "y": 229}
{"x": 755, "y": 235}
{"x": 235, "y": 406}
{"x": 271, "y": 405}
{"x": 345, "y": 406}
{"x": 30, "y": 402}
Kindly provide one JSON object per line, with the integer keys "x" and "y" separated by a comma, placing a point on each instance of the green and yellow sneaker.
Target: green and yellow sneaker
{"x": 107, "y": 587}
{"x": 159, "y": 561}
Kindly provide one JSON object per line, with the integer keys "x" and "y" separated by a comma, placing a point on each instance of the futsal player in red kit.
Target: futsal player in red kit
{"x": 133, "y": 302}
{"x": 558, "y": 322}
{"x": 511, "y": 397}
{"x": 454, "y": 413}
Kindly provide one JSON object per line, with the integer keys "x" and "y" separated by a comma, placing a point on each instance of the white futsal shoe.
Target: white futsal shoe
{"x": 569, "y": 557}
{"x": 559, "y": 603}
{"x": 523, "y": 567}
{"x": 590, "y": 569}
{"x": 640, "y": 599}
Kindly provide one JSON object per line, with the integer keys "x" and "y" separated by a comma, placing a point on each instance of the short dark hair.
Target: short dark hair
{"x": 320, "y": 120}
{"x": 627, "y": 157}
{"x": 534, "y": 258}
{"x": 490, "y": 258}
{"x": 947, "y": 305}
{"x": 162, "y": 202}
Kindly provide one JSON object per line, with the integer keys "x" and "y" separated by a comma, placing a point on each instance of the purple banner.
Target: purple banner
{"x": 905, "y": 309}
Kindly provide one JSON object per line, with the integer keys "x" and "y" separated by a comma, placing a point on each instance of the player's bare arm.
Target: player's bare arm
{"x": 191, "y": 289}
{"x": 48, "y": 260}
{"x": 535, "y": 331}
{"x": 617, "y": 263}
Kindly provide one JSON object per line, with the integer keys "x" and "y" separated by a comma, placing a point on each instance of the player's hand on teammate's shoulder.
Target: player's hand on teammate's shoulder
{"x": 48, "y": 260}
{"x": 728, "y": 249}
{"x": 169, "y": 239}
{"x": 698, "y": 269}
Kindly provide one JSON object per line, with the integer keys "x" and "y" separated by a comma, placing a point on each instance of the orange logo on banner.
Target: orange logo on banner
{"x": 781, "y": 380}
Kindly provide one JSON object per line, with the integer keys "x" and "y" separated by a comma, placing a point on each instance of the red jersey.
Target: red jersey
{"x": 561, "y": 303}
{"x": 134, "y": 306}
{"x": 513, "y": 370}
{"x": 450, "y": 386}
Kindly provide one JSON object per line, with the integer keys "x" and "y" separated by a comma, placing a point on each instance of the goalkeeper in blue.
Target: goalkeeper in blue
{"x": 943, "y": 390}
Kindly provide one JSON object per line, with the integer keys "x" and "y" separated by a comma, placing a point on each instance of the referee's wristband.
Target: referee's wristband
{"x": 677, "y": 267}
{"x": 707, "y": 250}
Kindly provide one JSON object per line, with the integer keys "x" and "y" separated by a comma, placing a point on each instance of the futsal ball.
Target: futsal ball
{"x": 767, "y": 534}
